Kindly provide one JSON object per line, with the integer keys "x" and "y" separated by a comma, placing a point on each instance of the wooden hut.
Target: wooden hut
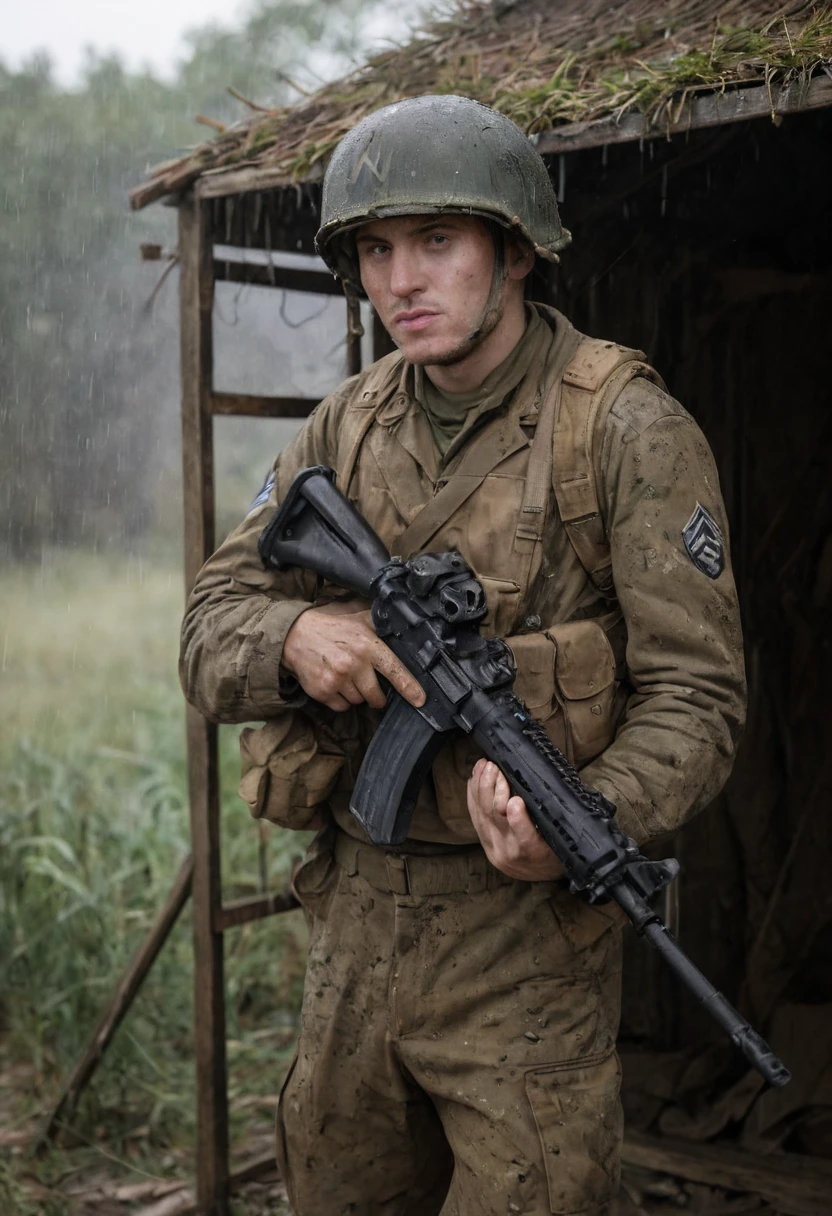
{"x": 690, "y": 144}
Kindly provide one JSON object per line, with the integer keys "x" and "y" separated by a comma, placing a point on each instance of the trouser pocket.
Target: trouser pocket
{"x": 315, "y": 881}
{"x": 578, "y": 1114}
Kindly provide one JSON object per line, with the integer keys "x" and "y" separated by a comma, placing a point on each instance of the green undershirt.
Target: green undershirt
{"x": 448, "y": 413}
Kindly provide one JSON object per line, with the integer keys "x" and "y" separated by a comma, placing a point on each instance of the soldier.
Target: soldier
{"x": 457, "y": 1045}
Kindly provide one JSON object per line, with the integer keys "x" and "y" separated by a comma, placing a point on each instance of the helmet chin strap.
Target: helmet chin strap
{"x": 492, "y": 312}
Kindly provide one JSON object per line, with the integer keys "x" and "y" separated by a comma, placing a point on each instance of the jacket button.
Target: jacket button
{"x": 533, "y": 622}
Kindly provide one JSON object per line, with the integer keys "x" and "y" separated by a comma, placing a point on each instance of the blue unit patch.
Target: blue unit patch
{"x": 704, "y": 543}
{"x": 263, "y": 496}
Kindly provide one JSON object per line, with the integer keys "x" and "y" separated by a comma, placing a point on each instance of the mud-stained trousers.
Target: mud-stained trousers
{"x": 457, "y": 1046}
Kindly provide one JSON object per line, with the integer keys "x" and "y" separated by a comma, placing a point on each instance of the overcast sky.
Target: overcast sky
{"x": 142, "y": 31}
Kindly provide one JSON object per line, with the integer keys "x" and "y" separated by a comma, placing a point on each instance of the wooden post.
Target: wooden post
{"x": 354, "y": 334}
{"x": 120, "y": 1003}
{"x": 201, "y": 872}
{"x": 196, "y": 307}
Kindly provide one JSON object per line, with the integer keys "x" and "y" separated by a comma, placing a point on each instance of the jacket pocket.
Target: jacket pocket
{"x": 451, "y": 770}
{"x": 502, "y": 597}
{"x": 583, "y": 924}
{"x": 566, "y": 677}
{"x": 577, "y": 1111}
{"x": 586, "y": 688}
{"x": 288, "y": 770}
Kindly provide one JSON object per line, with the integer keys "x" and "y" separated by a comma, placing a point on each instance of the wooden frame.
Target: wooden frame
{"x": 200, "y": 874}
{"x": 710, "y": 110}
{"x": 200, "y": 270}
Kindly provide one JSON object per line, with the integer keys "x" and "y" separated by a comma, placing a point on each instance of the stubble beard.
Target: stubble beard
{"x": 458, "y": 354}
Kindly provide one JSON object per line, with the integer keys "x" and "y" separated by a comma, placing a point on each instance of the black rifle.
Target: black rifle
{"x": 428, "y": 611}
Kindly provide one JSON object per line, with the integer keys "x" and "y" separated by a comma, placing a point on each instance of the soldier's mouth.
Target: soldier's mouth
{"x": 418, "y": 318}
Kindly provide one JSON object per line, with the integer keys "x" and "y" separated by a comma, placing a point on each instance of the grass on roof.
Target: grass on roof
{"x": 648, "y": 67}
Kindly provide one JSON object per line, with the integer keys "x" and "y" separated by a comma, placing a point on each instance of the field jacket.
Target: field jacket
{"x": 637, "y": 675}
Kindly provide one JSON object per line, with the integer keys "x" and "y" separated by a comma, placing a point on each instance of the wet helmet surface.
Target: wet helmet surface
{"x": 430, "y": 155}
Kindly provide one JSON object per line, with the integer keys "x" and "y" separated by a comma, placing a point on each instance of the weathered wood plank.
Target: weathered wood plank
{"x": 182, "y": 1202}
{"x": 354, "y": 334}
{"x": 288, "y": 278}
{"x": 712, "y": 110}
{"x": 795, "y": 1185}
{"x": 242, "y": 911}
{"x": 126, "y": 992}
{"x": 240, "y": 181}
{"x": 249, "y": 406}
{"x": 196, "y": 305}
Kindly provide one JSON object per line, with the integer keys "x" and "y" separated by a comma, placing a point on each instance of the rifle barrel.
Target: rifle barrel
{"x": 752, "y": 1045}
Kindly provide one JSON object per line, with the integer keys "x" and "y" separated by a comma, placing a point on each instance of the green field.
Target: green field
{"x": 93, "y": 828}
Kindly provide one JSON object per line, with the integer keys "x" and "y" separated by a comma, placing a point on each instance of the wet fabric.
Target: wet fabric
{"x": 457, "y": 1042}
{"x": 673, "y": 706}
{"x": 469, "y": 1066}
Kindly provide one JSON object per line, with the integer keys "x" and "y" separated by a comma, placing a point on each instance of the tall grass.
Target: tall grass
{"x": 93, "y": 828}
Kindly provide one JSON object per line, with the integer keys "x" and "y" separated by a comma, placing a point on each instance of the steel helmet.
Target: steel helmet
{"x": 436, "y": 154}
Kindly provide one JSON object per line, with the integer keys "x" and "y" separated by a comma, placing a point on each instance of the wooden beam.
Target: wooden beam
{"x": 736, "y": 104}
{"x": 221, "y": 182}
{"x": 255, "y": 1168}
{"x": 242, "y": 911}
{"x": 794, "y": 1184}
{"x": 180, "y": 1200}
{"x": 247, "y": 406}
{"x": 196, "y": 307}
{"x": 288, "y": 278}
{"x": 126, "y": 992}
{"x": 354, "y": 335}
{"x": 712, "y": 110}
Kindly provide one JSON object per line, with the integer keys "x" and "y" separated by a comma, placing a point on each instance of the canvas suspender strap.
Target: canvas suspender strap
{"x": 539, "y": 471}
{"x": 361, "y": 416}
{"x": 482, "y": 456}
{"x": 567, "y": 449}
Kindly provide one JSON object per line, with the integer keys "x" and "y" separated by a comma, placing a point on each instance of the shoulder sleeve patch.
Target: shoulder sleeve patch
{"x": 704, "y": 543}
{"x": 263, "y": 496}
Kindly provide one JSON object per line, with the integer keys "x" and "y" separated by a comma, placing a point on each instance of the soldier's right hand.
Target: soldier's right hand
{"x": 335, "y": 654}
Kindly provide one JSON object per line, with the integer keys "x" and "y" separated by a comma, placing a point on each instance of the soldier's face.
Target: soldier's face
{"x": 429, "y": 279}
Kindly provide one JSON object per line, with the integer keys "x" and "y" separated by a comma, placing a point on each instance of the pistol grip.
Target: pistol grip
{"x": 394, "y": 767}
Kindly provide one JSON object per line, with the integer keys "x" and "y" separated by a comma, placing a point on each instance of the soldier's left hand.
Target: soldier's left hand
{"x": 510, "y": 839}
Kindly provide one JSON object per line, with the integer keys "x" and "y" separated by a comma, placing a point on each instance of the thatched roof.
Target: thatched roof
{"x": 544, "y": 63}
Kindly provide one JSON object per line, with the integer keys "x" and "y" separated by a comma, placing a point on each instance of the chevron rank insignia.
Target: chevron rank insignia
{"x": 704, "y": 543}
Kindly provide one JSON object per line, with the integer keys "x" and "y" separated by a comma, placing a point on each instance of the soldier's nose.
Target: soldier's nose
{"x": 404, "y": 275}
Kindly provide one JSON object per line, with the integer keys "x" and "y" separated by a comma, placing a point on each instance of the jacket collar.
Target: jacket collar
{"x": 494, "y": 437}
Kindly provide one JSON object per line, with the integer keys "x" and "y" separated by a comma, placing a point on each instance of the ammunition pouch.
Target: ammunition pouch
{"x": 566, "y": 676}
{"x": 289, "y": 768}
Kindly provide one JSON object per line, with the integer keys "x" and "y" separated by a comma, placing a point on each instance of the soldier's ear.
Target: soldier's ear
{"x": 519, "y": 257}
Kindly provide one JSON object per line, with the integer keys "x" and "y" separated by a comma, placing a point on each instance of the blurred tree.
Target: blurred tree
{"x": 87, "y": 372}
{"x": 66, "y": 366}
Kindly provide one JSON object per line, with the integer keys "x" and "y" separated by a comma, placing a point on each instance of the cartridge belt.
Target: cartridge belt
{"x": 465, "y": 870}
